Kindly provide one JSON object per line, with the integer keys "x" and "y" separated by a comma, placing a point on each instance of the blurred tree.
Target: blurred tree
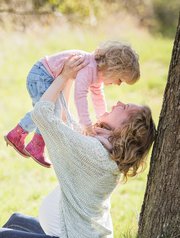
{"x": 157, "y": 15}
{"x": 80, "y": 9}
{"x": 166, "y": 15}
{"x": 37, "y": 4}
{"x": 160, "y": 214}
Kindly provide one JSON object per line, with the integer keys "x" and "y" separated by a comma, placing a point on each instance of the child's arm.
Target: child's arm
{"x": 88, "y": 130}
{"x": 66, "y": 93}
{"x": 82, "y": 84}
{"x": 98, "y": 98}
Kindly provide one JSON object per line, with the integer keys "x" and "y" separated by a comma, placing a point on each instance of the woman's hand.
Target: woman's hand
{"x": 72, "y": 65}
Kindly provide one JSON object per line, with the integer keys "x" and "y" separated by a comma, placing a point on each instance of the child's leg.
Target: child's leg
{"x": 36, "y": 146}
{"x": 38, "y": 81}
{"x": 37, "y": 85}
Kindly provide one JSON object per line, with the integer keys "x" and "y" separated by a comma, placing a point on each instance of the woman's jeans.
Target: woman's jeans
{"x": 38, "y": 81}
{"x": 22, "y": 226}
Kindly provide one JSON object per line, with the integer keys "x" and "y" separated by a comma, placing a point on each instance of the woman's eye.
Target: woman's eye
{"x": 126, "y": 106}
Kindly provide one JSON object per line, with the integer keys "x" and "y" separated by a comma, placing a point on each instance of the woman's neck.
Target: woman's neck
{"x": 103, "y": 132}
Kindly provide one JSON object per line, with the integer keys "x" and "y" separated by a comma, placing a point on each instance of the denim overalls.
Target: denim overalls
{"x": 38, "y": 81}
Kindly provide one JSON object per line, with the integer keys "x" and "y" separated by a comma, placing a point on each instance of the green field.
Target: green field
{"x": 23, "y": 183}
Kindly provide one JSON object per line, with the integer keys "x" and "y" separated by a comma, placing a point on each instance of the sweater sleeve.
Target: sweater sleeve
{"x": 55, "y": 130}
{"x": 68, "y": 148}
{"x": 98, "y": 98}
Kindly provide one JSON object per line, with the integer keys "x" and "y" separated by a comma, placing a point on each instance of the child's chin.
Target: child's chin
{"x": 106, "y": 84}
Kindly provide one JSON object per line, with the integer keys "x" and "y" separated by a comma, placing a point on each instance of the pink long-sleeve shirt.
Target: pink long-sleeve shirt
{"x": 86, "y": 80}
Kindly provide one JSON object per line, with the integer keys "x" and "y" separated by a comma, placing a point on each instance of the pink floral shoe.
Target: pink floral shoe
{"x": 35, "y": 149}
{"x": 15, "y": 138}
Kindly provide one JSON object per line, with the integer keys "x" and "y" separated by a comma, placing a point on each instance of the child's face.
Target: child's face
{"x": 113, "y": 79}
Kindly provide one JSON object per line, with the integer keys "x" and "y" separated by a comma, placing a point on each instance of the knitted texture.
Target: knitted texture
{"x": 86, "y": 174}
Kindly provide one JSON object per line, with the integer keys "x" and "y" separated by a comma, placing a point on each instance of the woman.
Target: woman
{"x": 88, "y": 168}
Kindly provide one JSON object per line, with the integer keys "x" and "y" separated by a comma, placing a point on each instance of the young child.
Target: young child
{"x": 111, "y": 63}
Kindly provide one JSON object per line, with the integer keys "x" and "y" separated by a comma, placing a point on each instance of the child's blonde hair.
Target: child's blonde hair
{"x": 120, "y": 59}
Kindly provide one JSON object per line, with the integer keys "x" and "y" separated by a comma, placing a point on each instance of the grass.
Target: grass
{"x": 23, "y": 182}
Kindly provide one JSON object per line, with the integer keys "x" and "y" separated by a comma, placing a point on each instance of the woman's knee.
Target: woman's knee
{"x": 13, "y": 218}
{"x": 16, "y": 214}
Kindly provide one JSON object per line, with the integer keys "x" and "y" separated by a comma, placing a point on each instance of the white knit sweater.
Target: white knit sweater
{"x": 85, "y": 172}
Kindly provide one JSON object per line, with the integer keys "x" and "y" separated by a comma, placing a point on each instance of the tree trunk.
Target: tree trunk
{"x": 160, "y": 213}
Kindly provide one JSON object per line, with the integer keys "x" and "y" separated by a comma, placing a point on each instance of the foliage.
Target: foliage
{"x": 166, "y": 14}
{"x": 158, "y": 15}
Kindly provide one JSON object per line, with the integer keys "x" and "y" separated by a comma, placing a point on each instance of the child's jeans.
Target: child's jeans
{"x": 21, "y": 226}
{"x": 38, "y": 81}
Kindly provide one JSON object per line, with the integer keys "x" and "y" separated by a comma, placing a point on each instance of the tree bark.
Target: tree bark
{"x": 160, "y": 212}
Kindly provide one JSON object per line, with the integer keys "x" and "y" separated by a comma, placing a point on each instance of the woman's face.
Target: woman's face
{"x": 118, "y": 114}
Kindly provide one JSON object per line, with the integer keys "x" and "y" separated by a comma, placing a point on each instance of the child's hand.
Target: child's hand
{"x": 89, "y": 131}
{"x": 63, "y": 116}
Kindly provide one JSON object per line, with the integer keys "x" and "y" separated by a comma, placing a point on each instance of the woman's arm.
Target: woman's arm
{"x": 59, "y": 138}
{"x": 50, "y": 126}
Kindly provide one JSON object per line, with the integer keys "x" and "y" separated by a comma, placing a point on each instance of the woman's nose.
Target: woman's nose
{"x": 120, "y": 103}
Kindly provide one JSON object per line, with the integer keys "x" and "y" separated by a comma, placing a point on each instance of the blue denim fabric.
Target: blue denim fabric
{"x": 22, "y": 226}
{"x": 38, "y": 81}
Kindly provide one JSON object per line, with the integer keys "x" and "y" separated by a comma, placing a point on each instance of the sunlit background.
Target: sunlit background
{"x": 31, "y": 29}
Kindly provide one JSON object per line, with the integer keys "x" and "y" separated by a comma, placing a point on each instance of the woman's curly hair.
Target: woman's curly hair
{"x": 131, "y": 142}
{"x": 120, "y": 59}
